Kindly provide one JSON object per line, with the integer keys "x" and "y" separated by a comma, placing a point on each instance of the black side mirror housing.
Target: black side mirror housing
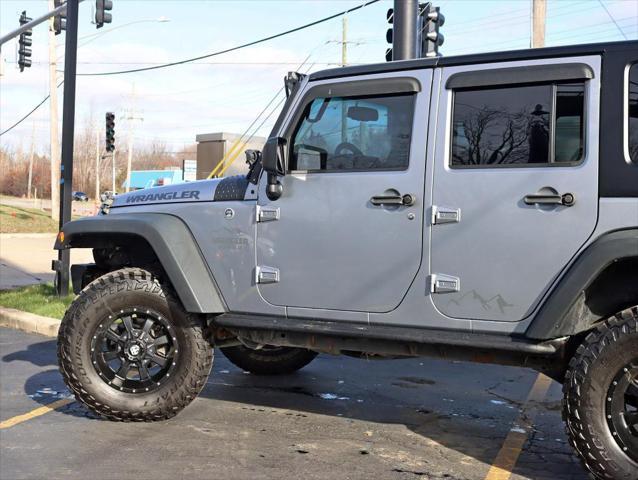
{"x": 273, "y": 156}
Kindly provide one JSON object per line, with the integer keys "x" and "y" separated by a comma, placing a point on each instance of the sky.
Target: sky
{"x": 227, "y": 92}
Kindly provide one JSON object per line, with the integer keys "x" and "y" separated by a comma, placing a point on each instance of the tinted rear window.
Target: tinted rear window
{"x": 632, "y": 111}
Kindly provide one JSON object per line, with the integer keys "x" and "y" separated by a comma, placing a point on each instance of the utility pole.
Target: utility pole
{"x": 344, "y": 41}
{"x": 98, "y": 154}
{"x": 113, "y": 171}
{"x": 68, "y": 125}
{"x": 54, "y": 154}
{"x": 129, "y": 161}
{"x": 539, "y": 12}
{"x": 31, "y": 155}
{"x": 406, "y": 14}
{"x": 130, "y": 117}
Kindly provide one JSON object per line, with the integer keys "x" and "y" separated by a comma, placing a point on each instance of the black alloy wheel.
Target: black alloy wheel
{"x": 622, "y": 409}
{"x": 129, "y": 350}
{"x": 134, "y": 351}
{"x": 600, "y": 407}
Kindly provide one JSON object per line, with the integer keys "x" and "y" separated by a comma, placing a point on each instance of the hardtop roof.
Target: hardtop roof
{"x": 491, "y": 57}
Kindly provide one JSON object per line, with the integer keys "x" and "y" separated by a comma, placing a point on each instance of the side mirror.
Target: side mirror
{"x": 273, "y": 156}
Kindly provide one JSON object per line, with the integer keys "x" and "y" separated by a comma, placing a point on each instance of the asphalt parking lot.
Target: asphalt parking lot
{"x": 339, "y": 418}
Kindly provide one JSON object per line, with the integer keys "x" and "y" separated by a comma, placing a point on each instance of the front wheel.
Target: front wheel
{"x": 600, "y": 408}
{"x": 269, "y": 360}
{"x": 129, "y": 351}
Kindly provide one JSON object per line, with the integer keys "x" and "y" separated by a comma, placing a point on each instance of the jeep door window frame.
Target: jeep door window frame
{"x": 382, "y": 87}
{"x": 631, "y": 88}
{"x": 551, "y": 76}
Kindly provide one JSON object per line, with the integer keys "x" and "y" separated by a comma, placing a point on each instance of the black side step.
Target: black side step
{"x": 388, "y": 332}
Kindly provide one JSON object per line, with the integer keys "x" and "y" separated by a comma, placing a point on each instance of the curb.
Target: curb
{"x": 7, "y": 236}
{"x": 29, "y": 322}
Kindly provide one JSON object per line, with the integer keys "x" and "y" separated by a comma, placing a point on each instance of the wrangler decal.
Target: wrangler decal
{"x": 155, "y": 197}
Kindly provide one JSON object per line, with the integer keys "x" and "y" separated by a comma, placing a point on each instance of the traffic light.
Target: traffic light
{"x": 24, "y": 52}
{"x": 110, "y": 132}
{"x": 102, "y": 7}
{"x": 389, "y": 35}
{"x": 430, "y": 19}
{"x": 59, "y": 21}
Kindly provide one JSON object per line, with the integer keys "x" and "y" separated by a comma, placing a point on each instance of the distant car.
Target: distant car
{"x": 80, "y": 197}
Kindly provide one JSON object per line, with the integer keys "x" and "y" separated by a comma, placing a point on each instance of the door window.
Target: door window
{"x": 354, "y": 133}
{"x": 518, "y": 126}
{"x": 632, "y": 113}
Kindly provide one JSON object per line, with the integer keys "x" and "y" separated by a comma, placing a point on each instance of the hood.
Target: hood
{"x": 214, "y": 190}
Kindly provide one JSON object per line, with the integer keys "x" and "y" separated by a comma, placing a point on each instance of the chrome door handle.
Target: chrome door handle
{"x": 566, "y": 199}
{"x": 400, "y": 200}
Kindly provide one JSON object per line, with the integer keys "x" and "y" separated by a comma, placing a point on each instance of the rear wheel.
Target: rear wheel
{"x": 269, "y": 360}
{"x": 601, "y": 398}
{"x": 129, "y": 351}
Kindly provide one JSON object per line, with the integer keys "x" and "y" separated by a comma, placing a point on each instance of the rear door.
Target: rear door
{"x": 331, "y": 245}
{"x": 515, "y": 182}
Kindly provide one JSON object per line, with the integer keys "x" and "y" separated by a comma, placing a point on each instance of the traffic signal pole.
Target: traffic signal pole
{"x": 54, "y": 136}
{"x": 404, "y": 43}
{"x": 68, "y": 126}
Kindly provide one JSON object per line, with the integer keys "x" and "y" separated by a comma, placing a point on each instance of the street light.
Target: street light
{"x": 94, "y": 36}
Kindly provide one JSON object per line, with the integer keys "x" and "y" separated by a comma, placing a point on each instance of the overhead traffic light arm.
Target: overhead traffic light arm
{"x": 33, "y": 23}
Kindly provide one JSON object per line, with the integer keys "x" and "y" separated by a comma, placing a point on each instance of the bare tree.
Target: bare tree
{"x": 495, "y": 137}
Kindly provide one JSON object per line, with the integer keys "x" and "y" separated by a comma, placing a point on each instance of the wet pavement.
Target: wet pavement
{"x": 338, "y": 418}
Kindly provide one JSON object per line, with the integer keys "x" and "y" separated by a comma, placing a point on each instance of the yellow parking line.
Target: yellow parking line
{"x": 507, "y": 457}
{"x": 35, "y": 413}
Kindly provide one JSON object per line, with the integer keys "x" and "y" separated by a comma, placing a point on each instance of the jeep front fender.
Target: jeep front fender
{"x": 170, "y": 239}
{"x": 566, "y": 311}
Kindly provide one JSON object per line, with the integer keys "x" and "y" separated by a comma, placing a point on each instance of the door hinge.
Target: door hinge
{"x": 440, "y": 283}
{"x": 267, "y": 214}
{"x": 266, "y": 274}
{"x": 445, "y": 215}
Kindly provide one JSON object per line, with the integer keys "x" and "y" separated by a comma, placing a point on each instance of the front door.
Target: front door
{"x": 349, "y": 229}
{"x": 517, "y": 165}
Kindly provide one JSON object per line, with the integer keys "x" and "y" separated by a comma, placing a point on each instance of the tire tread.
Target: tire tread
{"x": 608, "y": 332}
{"x": 180, "y": 394}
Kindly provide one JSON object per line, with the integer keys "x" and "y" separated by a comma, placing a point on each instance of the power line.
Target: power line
{"x": 557, "y": 36}
{"x": 225, "y": 162}
{"x": 613, "y": 19}
{"x": 30, "y": 113}
{"x": 238, "y": 47}
{"x": 181, "y": 62}
{"x": 197, "y": 63}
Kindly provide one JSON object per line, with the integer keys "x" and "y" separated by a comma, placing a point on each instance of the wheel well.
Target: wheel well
{"x": 125, "y": 250}
{"x": 599, "y": 283}
{"x": 614, "y": 289}
{"x": 152, "y": 241}
{"x": 119, "y": 251}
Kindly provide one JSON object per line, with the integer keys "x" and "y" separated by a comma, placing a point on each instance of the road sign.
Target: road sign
{"x": 190, "y": 170}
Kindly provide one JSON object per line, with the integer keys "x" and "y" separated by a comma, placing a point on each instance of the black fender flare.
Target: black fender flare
{"x": 565, "y": 312}
{"x": 172, "y": 242}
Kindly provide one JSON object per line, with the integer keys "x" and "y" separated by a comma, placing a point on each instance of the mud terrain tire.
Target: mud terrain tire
{"x": 125, "y": 290}
{"x": 269, "y": 361}
{"x": 608, "y": 357}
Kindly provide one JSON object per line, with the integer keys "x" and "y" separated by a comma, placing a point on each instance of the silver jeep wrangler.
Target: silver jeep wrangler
{"x": 480, "y": 207}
